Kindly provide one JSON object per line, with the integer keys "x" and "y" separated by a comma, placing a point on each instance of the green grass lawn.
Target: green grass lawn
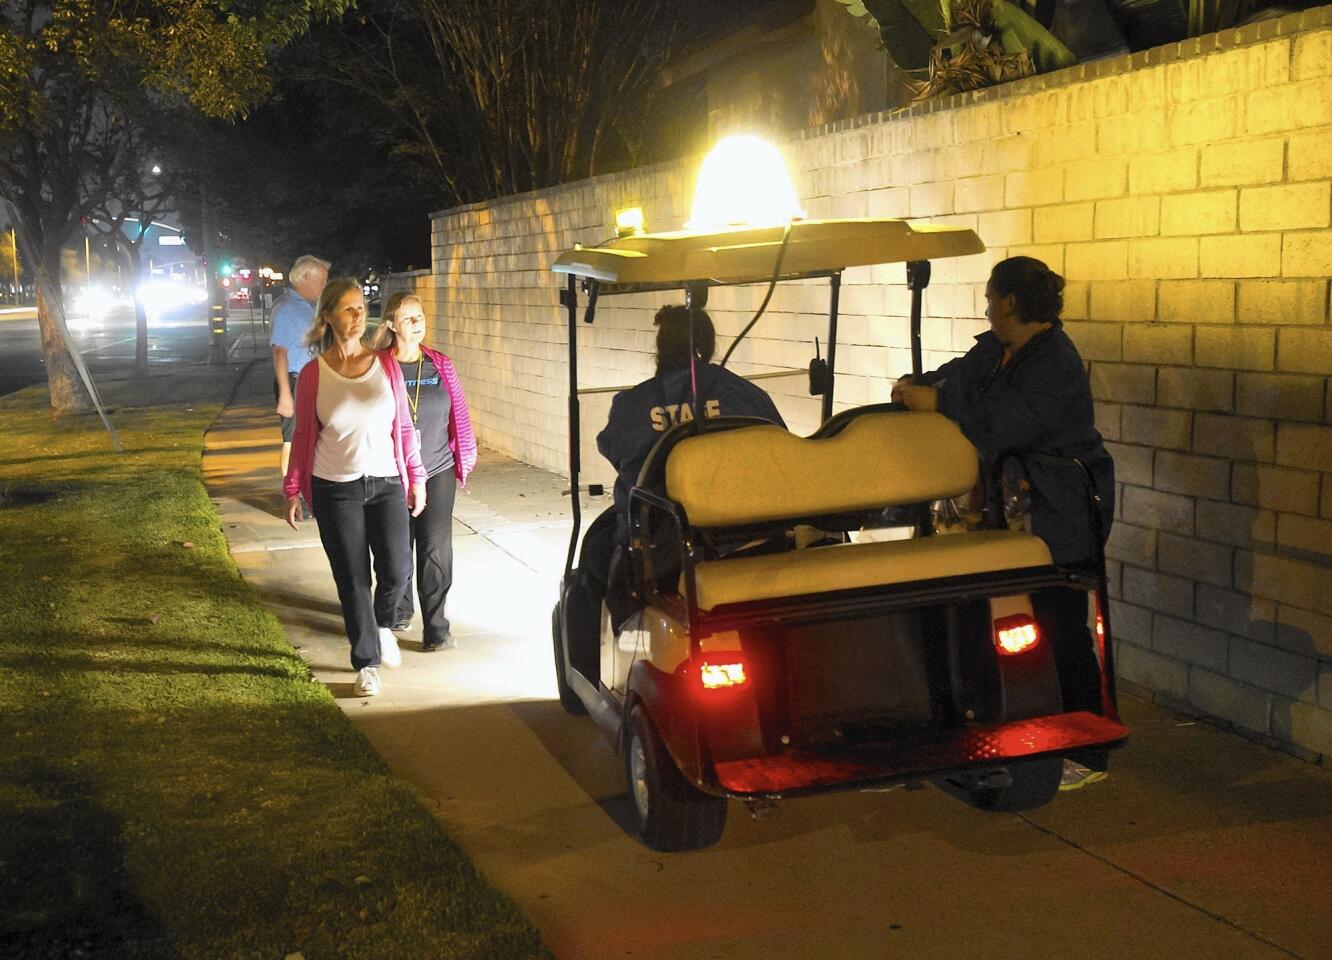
{"x": 172, "y": 784}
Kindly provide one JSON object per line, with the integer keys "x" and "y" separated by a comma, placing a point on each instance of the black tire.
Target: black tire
{"x": 670, "y": 813}
{"x": 568, "y": 699}
{"x": 1035, "y": 783}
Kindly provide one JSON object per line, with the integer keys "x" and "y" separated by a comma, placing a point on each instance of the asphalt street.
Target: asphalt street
{"x": 179, "y": 336}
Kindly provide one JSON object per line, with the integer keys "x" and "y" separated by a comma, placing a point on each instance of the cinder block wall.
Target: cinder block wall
{"x": 1183, "y": 192}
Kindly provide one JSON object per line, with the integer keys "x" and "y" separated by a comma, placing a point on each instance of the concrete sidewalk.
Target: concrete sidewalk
{"x": 1199, "y": 844}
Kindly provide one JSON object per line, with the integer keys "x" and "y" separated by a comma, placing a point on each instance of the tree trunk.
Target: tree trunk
{"x": 140, "y": 318}
{"x": 62, "y": 377}
{"x": 140, "y": 338}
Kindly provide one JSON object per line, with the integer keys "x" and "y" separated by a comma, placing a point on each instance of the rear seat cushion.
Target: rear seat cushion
{"x": 856, "y": 565}
{"x": 764, "y": 473}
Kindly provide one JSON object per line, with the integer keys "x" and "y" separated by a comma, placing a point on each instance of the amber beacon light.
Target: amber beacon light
{"x": 743, "y": 183}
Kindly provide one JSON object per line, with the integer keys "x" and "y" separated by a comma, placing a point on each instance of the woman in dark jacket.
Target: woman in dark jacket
{"x": 1023, "y": 389}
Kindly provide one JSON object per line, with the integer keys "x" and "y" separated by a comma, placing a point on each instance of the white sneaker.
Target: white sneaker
{"x": 1075, "y": 776}
{"x": 389, "y": 654}
{"x": 367, "y": 682}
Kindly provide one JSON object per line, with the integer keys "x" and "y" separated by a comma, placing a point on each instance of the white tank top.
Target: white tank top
{"x": 357, "y": 414}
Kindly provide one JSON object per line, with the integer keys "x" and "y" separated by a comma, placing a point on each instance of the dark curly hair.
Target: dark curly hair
{"x": 672, "y": 325}
{"x": 1037, "y": 290}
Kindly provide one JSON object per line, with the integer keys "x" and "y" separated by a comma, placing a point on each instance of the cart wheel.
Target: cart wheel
{"x": 671, "y": 814}
{"x": 1034, "y": 784}
{"x": 568, "y": 699}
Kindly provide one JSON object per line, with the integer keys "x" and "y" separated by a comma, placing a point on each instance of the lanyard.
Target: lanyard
{"x": 660, "y": 386}
{"x": 415, "y": 401}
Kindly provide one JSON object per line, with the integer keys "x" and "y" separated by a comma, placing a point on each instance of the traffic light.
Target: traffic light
{"x": 224, "y": 268}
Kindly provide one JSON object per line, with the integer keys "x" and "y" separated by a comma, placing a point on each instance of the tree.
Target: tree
{"x": 493, "y": 97}
{"x": 142, "y": 192}
{"x": 301, "y": 175}
{"x": 76, "y": 79}
{"x": 11, "y": 271}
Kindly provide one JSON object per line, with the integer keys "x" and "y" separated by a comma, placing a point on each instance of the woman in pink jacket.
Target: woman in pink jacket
{"x": 356, "y": 460}
{"x": 448, "y": 451}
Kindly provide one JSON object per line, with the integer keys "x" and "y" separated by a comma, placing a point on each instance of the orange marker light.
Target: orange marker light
{"x": 1016, "y": 634}
{"x": 717, "y": 676}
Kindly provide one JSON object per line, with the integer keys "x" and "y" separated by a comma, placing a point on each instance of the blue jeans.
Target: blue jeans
{"x": 361, "y": 520}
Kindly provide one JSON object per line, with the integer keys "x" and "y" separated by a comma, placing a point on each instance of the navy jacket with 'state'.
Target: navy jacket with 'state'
{"x": 641, "y": 414}
{"x": 1038, "y": 402}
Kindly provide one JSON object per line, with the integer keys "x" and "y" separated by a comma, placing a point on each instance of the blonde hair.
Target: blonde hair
{"x": 385, "y": 337}
{"x": 320, "y": 335}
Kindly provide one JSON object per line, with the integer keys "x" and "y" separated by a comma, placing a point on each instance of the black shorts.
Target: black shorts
{"x": 288, "y": 423}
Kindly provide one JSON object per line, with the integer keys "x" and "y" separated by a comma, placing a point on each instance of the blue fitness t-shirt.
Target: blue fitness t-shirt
{"x": 430, "y": 406}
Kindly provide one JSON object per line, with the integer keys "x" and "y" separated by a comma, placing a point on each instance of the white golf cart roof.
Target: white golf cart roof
{"x": 747, "y": 255}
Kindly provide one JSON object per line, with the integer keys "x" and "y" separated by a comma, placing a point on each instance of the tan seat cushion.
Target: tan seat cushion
{"x": 759, "y": 474}
{"x": 853, "y": 565}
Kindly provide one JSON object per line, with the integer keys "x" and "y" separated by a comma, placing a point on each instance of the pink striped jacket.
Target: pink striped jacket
{"x": 461, "y": 440}
{"x": 406, "y": 451}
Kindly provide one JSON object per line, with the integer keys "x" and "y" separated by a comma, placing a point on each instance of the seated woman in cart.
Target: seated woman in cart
{"x": 638, "y": 418}
{"x": 1023, "y": 389}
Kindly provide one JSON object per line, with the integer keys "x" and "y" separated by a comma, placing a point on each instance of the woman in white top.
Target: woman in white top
{"x": 356, "y": 460}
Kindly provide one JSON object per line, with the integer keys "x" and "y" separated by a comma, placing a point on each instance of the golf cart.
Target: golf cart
{"x": 782, "y": 648}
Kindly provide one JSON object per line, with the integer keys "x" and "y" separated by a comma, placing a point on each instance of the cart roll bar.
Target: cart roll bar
{"x": 569, "y": 300}
{"x": 918, "y": 278}
{"x": 834, "y": 295}
{"x": 696, "y": 298}
{"x": 769, "y": 375}
{"x": 1102, "y": 581}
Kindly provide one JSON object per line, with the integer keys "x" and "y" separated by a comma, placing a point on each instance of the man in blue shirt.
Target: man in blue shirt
{"x": 293, "y": 315}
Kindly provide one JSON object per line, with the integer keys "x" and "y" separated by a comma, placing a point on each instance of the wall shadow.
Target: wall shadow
{"x": 65, "y": 890}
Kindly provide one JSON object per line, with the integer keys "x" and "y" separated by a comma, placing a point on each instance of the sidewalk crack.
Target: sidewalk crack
{"x": 1164, "y": 891}
{"x": 505, "y": 550}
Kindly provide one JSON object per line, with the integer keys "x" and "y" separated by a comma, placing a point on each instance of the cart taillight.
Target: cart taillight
{"x": 722, "y": 676}
{"x": 1016, "y": 634}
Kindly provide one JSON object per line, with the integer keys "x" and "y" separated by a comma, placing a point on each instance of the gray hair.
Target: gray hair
{"x": 304, "y": 265}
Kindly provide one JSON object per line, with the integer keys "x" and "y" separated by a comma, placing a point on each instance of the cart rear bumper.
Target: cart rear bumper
{"x": 796, "y": 772}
